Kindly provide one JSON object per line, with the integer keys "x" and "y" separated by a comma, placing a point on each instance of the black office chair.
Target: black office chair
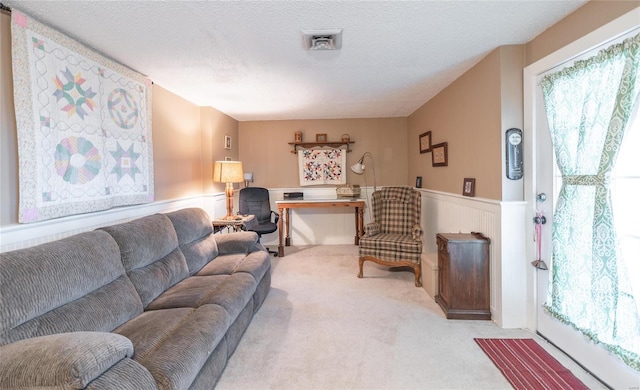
{"x": 255, "y": 201}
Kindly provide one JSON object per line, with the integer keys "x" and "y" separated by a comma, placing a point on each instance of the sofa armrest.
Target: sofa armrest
{"x": 371, "y": 229}
{"x": 62, "y": 360}
{"x": 238, "y": 242}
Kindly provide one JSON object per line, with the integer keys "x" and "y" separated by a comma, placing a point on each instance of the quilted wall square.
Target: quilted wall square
{"x": 322, "y": 166}
{"x": 84, "y": 126}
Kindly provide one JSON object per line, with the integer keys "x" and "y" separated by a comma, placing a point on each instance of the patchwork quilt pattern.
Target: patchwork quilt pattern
{"x": 322, "y": 166}
{"x": 84, "y": 126}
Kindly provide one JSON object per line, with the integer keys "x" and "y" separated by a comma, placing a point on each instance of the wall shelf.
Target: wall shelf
{"x": 307, "y": 145}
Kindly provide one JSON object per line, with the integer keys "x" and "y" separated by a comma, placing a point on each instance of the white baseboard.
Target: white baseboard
{"x": 430, "y": 274}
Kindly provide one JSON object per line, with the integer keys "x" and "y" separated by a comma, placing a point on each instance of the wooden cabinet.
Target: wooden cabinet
{"x": 463, "y": 276}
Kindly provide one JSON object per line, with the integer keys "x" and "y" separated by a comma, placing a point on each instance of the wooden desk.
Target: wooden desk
{"x": 284, "y": 207}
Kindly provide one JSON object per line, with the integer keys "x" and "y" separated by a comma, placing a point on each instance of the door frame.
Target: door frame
{"x": 609, "y": 31}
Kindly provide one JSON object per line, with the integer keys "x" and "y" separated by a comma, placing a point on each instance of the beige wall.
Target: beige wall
{"x": 177, "y": 152}
{"x": 467, "y": 116}
{"x": 511, "y": 102}
{"x": 585, "y": 19}
{"x": 215, "y": 125}
{"x": 265, "y": 149}
{"x": 187, "y": 139}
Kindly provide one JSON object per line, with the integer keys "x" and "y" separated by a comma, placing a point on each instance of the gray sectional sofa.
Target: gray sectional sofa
{"x": 159, "y": 302}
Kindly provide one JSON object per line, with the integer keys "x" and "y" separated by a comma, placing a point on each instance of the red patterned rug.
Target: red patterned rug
{"x": 526, "y": 365}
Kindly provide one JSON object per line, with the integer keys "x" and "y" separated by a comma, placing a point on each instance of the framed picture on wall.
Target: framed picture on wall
{"x": 227, "y": 158}
{"x": 469, "y": 187}
{"x": 418, "y": 181}
{"x": 439, "y": 155}
{"x": 424, "y": 140}
{"x": 227, "y": 142}
{"x": 321, "y": 137}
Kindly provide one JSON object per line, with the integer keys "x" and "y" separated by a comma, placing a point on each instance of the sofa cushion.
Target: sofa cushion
{"x": 127, "y": 374}
{"x": 174, "y": 344}
{"x": 73, "y": 284}
{"x": 254, "y": 263}
{"x": 232, "y": 292}
{"x": 262, "y": 290}
{"x": 228, "y": 280}
{"x": 195, "y": 237}
{"x": 150, "y": 254}
{"x": 154, "y": 279}
{"x": 239, "y": 242}
{"x": 64, "y": 360}
{"x": 213, "y": 368}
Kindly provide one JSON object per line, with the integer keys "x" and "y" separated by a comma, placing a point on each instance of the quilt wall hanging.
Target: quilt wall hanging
{"x": 84, "y": 126}
{"x": 322, "y": 166}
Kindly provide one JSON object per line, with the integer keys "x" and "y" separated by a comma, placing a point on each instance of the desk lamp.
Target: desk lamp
{"x": 228, "y": 172}
{"x": 358, "y": 168}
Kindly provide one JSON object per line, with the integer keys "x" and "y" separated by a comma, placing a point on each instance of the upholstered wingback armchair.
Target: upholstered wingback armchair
{"x": 394, "y": 238}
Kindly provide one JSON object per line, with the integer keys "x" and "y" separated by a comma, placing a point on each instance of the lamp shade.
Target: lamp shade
{"x": 228, "y": 172}
{"x": 358, "y": 168}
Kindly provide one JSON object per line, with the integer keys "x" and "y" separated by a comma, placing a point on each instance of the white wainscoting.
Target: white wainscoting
{"x": 504, "y": 224}
{"x": 25, "y": 235}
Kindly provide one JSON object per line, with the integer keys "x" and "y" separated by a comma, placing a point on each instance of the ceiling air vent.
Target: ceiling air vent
{"x": 322, "y": 39}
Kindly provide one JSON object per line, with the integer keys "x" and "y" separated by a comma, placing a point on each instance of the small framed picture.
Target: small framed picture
{"x": 418, "y": 181}
{"x": 469, "y": 187}
{"x": 321, "y": 137}
{"x": 425, "y": 142}
{"x": 227, "y": 158}
{"x": 227, "y": 142}
{"x": 439, "y": 155}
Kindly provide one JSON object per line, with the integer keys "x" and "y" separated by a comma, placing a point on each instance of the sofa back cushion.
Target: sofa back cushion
{"x": 74, "y": 284}
{"x": 195, "y": 237}
{"x": 150, "y": 254}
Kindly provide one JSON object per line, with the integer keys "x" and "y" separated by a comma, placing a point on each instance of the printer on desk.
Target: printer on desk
{"x": 342, "y": 191}
{"x": 293, "y": 196}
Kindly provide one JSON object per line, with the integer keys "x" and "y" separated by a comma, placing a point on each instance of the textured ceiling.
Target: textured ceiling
{"x": 247, "y": 59}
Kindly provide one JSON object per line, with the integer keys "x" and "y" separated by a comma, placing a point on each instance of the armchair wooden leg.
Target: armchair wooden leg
{"x": 417, "y": 269}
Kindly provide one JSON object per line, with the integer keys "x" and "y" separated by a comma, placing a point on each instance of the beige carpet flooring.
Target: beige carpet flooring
{"x": 323, "y": 328}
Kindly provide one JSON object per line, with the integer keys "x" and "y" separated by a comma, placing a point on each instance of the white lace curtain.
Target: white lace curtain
{"x": 588, "y": 107}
